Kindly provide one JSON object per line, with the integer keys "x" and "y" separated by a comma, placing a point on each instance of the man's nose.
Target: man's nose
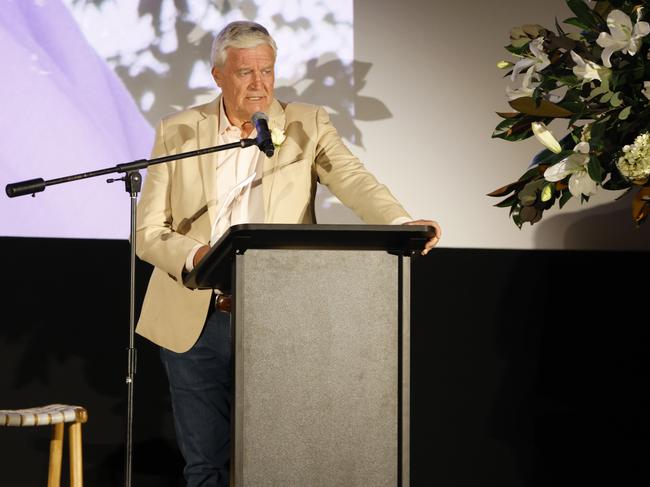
{"x": 256, "y": 82}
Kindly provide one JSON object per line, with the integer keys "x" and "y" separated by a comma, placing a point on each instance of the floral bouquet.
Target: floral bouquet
{"x": 597, "y": 78}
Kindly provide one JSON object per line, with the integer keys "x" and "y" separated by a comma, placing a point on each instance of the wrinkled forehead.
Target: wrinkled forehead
{"x": 258, "y": 56}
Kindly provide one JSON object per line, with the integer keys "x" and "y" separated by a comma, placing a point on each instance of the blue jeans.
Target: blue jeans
{"x": 200, "y": 383}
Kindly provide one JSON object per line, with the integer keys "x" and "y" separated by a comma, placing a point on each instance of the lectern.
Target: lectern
{"x": 321, "y": 347}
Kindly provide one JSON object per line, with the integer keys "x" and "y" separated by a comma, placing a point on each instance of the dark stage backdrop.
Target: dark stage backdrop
{"x": 530, "y": 368}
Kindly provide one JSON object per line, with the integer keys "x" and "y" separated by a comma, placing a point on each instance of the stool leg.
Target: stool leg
{"x": 56, "y": 453}
{"x": 76, "y": 461}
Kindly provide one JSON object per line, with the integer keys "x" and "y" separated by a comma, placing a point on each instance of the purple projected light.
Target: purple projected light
{"x": 64, "y": 112}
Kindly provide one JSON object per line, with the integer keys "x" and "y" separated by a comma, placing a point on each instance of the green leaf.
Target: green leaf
{"x": 545, "y": 108}
{"x": 616, "y": 101}
{"x": 606, "y": 97}
{"x": 598, "y": 91}
{"x": 566, "y": 196}
{"x": 508, "y": 114}
{"x": 616, "y": 182}
{"x": 583, "y": 13}
{"x": 624, "y": 113}
{"x": 598, "y": 127}
{"x": 519, "y": 50}
{"x": 577, "y": 23}
{"x": 514, "y": 129}
{"x": 504, "y": 126}
{"x": 530, "y": 173}
{"x": 594, "y": 169}
{"x": 508, "y": 202}
{"x": 550, "y": 158}
{"x": 598, "y": 133}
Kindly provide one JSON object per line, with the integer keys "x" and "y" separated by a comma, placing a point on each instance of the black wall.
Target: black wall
{"x": 530, "y": 368}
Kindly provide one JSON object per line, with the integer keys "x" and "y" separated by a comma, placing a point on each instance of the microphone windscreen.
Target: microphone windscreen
{"x": 257, "y": 116}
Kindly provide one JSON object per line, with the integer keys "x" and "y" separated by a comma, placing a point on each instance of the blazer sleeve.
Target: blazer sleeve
{"x": 349, "y": 180}
{"x": 157, "y": 241}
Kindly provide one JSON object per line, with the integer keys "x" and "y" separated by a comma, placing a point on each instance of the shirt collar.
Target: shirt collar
{"x": 224, "y": 123}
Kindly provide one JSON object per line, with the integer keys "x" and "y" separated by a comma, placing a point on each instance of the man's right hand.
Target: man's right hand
{"x": 200, "y": 254}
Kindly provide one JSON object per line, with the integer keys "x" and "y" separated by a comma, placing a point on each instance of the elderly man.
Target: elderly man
{"x": 186, "y": 205}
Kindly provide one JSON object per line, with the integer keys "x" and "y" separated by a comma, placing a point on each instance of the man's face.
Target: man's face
{"x": 246, "y": 80}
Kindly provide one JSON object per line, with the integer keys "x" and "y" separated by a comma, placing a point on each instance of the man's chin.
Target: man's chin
{"x": 254, "y": 107}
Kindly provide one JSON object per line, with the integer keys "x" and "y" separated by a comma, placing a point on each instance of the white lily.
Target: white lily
{"x": 622, "y": 37}
{"x": 585, "y": 70}
{"x": 545, "y": 136}
{"x": 575, "y": 165}
{"x": 527, "y": 87}
{"x": 536, "y": 63}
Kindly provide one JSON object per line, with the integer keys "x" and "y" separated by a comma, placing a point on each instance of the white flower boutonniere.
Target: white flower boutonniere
{"x": 277, "y": 136}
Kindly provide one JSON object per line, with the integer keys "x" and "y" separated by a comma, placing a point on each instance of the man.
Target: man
{"x": 186, "y": 205}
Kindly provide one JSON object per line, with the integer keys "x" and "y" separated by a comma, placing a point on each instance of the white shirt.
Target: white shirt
{"x": 238, "y": 196}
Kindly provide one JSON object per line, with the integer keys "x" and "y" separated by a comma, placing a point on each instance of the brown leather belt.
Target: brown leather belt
{"x": 222, "y": 302}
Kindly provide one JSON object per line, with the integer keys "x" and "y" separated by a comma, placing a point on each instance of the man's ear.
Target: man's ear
{"x": 216, "y": 75}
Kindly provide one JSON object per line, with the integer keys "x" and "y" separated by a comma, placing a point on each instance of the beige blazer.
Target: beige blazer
{"x": 177, "y": 208}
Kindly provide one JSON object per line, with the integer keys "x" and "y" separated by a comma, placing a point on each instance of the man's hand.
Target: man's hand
{"x": 200, "y": 254}
{"x": 433, "y": 241}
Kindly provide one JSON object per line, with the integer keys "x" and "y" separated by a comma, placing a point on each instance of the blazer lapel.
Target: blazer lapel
{"x": 277, "y": 121}
{"x": 208, "y": 130}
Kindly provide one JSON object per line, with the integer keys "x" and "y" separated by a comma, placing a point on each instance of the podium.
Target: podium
{"x": 321, "y": 351}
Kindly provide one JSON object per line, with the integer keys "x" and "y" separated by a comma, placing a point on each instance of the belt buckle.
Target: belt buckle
{"x": 223, "y": 303}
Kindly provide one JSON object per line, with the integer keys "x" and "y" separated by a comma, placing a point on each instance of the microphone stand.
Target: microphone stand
{"x": 133, "y": 183}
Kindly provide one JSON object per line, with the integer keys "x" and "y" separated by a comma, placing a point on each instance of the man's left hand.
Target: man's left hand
{"x": 433, "y": 241}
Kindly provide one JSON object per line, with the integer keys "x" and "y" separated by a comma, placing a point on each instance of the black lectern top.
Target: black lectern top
{"x": 215, "y": 269}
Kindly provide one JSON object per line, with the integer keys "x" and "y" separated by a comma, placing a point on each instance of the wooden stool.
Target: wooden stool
{"x": 55, "y": 415}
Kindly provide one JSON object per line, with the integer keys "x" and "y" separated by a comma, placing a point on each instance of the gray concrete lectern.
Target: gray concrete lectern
{"x": 321, "y": 347}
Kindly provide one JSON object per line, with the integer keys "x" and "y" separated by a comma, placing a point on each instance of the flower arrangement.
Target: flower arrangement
{"x": 597, "y": 78}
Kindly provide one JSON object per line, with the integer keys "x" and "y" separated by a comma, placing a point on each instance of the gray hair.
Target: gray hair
{"x": 239, "y": 34}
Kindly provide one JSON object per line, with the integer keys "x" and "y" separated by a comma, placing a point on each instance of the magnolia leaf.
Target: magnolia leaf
{"x": 519, "y": 50}
{"x": 549, "y": 158}
{"x": 530, "y": 214}
{"x": 530, "y": 193}
{"x": 508, "y": 202}
{"x": 584, "y": 13}
{"x": 598, "y": 128}
{"x": 504, "y": 190}
{"x": 594, "y": 169}
{"x": 544, "y": 109}
{"x": 616, "y": 182}
{"x": 560, "y": 42}
{"x": 514, "y": 213}
{"x": 577, "y": 23}
{"x": 566, "y": 196}
{"x": 603, "y": 7}
{"x": 508, "y": 114}
{"x": 624, "y": 113}
{"x": 560, "y": 32}
{"x": 513, "y": 129}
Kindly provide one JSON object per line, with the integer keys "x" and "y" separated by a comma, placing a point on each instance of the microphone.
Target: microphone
{"x": 263, "y": 139}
